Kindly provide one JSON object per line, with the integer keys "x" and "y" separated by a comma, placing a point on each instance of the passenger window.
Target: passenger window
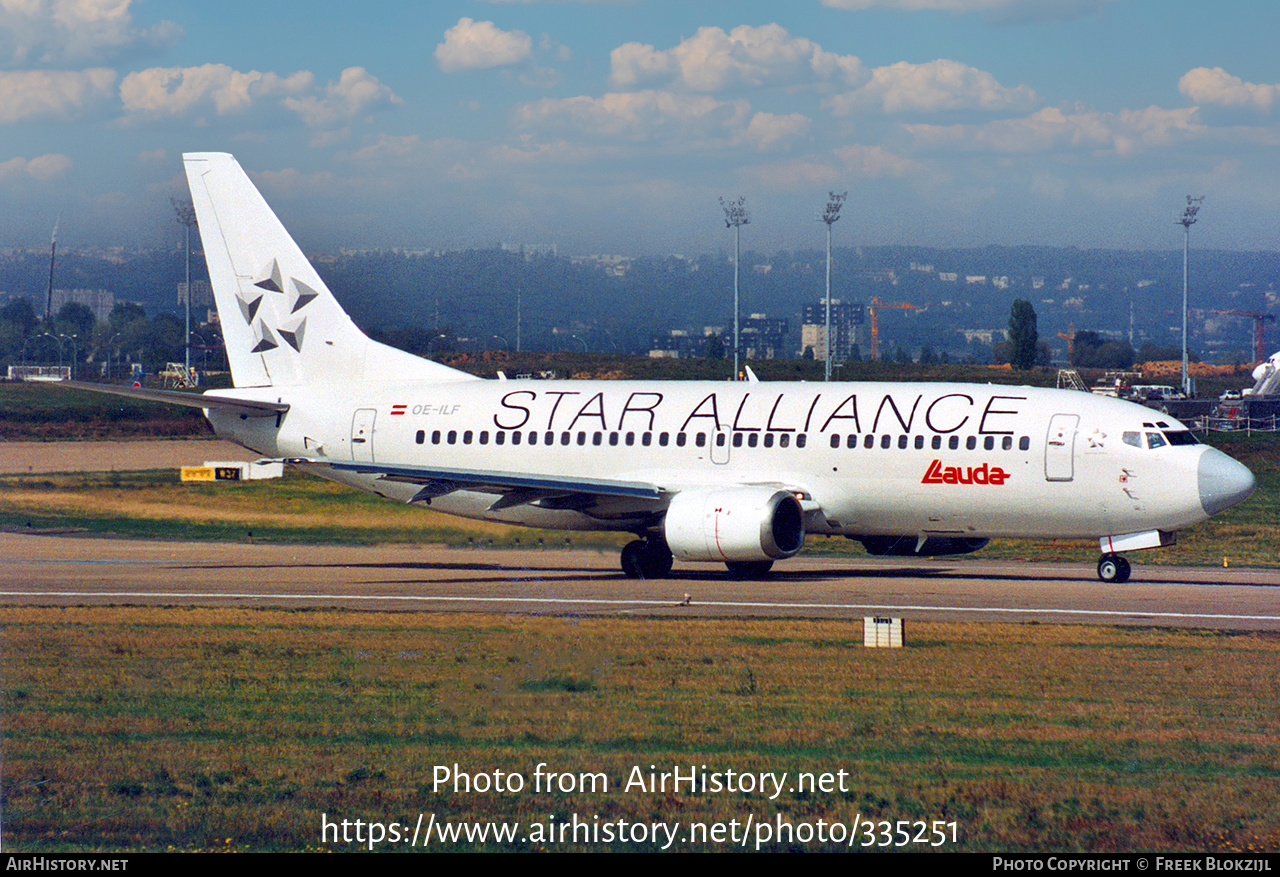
{"x": 737, "y": 440}
{"x": 435, "y": 437}
{"x": 499, "y": 438}
{"x": 784, "y": 440}
{"x": 595, "y": 438}
{"x": 631, "y": 439}
{"x": 467, "y": 436}
{"x": 937, "y": 442}
{"x": 515, "y": 437}
{"x": 453, "y": 436}
{"x": 680, "y": 440}
{"x": 1132, "y": 438}
{"x": 421, "y": 437}
{"x": 768, "y": 439}
{"x": 869, "y": 441}
{"x": 565, "y": 438}
{"x": 885, "y": 441}
{"x": 953, "y": 442}
{"x": 646, "y": 439}
{"x": 851, "y": 442}
{"x": 753, "y": 439}
{"x": 835, "y": 441}
{"x": 1006, "y": 443}
{"x": 919, "y": 443}
{"x": 1024, "y": 443}
{"x": 613, "y": 439}
{"x": 662, "y": 439}
{"x": 582, "y": 438}
{"x": 484, "y": 437}
{"x": 989, "y": 443}
{"x": 800, "y": 440}
{"x": 701, "y": 440}
{"x": 902, "y": 442}
{"x": 971, "y": 442}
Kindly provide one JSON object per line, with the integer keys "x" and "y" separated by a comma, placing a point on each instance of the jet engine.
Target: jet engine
{"x": 733, "y": 524}
{"x": 906, "y": 546}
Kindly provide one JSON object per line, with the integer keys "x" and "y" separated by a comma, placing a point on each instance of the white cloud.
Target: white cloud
{"x": 34, "y": 94}
{"x": 712, "y": 60}
{"x": 638, "y": 116}
{"x": 932, "y": 87}
{"x": 876, "y": 162}
{"x": 1006, "y": 11}
{"x": 771, "y": 132}
{"x": 481, "y": 45}
{"x": 218, "y": 90}
{"x": 41, "y": 169}
{"x": 54, "y": 31}
{"x": 182, "y": 91}
{"x": 1220, "y": 88}
{"x": 1051, "y": 130}
{"x": 356, "y": 92}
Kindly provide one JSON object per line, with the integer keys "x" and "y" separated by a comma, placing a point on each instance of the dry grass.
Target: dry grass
{"x": 150, "y": 729}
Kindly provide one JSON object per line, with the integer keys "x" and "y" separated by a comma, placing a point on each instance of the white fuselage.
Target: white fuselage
{"x": 917, "y": 459}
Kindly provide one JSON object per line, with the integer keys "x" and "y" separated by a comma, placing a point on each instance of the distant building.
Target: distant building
{"x": 100, "y": 301}
{"x": 846, "y": 317}
{"x": 201, "y": 294}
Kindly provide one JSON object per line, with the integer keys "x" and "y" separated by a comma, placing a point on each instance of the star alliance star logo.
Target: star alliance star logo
{"x": 277, "y": 297}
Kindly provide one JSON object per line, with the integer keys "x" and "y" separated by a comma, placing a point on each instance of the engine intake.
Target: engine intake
{"x": 734, "y": 524}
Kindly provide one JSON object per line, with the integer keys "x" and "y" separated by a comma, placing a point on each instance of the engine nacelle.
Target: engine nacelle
{"x": 934, "y": 546}
{"x": 734, "y": 524}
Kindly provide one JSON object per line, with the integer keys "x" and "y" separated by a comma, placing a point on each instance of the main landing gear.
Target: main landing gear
{"x": 646, "y": 559}
{"x": 1113, "y": 568}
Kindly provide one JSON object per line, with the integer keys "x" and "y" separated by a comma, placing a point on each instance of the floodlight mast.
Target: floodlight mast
{"x": 1188, "y": 219}
{"x": 830, "y": 216}
{"x": 185, "y": 213}
{"x": 736, "y": 216}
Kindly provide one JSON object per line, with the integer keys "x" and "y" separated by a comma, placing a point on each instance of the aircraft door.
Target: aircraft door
{"x": 1059, "y": 448}
{"x": 362, "y": 435}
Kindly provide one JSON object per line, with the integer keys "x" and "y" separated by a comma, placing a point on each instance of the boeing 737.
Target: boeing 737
{"x": 728, "y": 472}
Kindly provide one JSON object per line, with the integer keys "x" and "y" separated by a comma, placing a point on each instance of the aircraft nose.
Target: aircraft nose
{"x": 1222, "y": 481}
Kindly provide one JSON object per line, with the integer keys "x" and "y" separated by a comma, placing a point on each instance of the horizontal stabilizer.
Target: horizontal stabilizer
{"x": 247, "y": 407}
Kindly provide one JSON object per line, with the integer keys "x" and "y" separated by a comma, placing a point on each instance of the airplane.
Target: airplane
{"x": 736, "y": 472}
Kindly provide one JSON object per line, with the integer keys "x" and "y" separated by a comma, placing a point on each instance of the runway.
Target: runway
{"x": 77, "y": 570}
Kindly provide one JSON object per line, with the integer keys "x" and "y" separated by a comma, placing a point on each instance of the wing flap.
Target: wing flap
{"x": 247, "y": 407}
{"x": 515, "y": 488}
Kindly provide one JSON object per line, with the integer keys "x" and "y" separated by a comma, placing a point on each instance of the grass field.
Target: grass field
{"x": 201, "y": 729}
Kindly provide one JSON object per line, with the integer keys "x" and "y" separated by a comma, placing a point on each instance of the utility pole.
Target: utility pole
{"x": 186, "y": 214}
{"x": 830, "y": 216}
{"x": 1188, "y": 219}
{"x": 735, "y": 217}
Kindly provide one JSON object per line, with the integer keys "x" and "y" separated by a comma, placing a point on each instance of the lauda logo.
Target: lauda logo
{"x": 984, "y": 474}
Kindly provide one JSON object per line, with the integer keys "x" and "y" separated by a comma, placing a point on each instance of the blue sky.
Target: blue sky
{"x": 615, "y": 126}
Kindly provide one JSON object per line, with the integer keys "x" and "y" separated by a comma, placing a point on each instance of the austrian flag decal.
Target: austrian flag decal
{"x": 398, "y": 409}
{"x": 984, "y": 474}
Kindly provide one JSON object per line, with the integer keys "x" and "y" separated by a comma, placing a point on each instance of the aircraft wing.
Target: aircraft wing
{"x": 247, "y": 407}
{"x": 515, "y": 488}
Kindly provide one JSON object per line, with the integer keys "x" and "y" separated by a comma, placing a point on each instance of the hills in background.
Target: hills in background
{"x": 433, "y": 301}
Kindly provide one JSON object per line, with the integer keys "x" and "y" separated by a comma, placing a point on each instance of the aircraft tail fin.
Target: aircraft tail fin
{"x": 280, "y": 323}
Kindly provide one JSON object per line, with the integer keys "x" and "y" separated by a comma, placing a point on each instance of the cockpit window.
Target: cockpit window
{"x": 1133, "y": 438}
{"x": 1155, "y": 440}
{"x": 1181, "y": 437}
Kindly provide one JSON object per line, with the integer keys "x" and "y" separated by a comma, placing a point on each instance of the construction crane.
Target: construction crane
{"x": 875, "y": 307}
{"x": 1070, "y": 337}
{"x": 1259, "y": 330}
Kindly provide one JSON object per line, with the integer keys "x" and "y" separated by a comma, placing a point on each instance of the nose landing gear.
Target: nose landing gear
{"x": 1113, "y": 568}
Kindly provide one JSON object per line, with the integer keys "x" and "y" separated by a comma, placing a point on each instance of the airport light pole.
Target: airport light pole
{"x": 830, "y": 216}
{"x": 1188, "y": 219}
{"x": 186, "y": 214}
{"x": 735, "y": 217}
